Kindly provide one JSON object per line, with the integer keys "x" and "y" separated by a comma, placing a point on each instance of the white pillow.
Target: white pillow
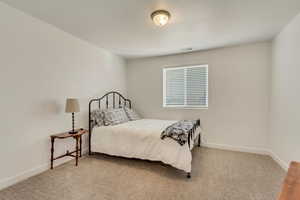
{"x": 115, "y": 116}
{"x": 132, "y": 115}
{"x": 97, "y": 117}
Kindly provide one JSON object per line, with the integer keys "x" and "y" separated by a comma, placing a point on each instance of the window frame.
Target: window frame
{"x": 165, "y": 69}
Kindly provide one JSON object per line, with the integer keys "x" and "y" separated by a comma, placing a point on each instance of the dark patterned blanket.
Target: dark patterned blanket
{"x": 180, "y": 131}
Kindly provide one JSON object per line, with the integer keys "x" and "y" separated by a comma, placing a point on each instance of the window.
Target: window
{"x": 186, "y": 86}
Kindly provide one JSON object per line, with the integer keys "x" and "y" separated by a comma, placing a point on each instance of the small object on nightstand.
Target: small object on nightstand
{"x": 78, "y": 150}
{"x": 72, "y": 106}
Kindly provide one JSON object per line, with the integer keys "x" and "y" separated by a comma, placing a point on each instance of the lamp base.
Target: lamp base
{"x": 73, "y": 131}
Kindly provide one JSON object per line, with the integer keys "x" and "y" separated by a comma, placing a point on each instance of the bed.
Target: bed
{"x": 139, "y": 139}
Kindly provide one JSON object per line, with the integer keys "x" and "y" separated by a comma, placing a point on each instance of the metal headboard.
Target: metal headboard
{"x": 116, "y": 98}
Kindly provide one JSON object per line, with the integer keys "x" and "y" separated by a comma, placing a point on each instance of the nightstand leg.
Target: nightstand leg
{"x": 80, "y": 145}
{"x": 77, "y": 150}
{"x": 52, "y": 152}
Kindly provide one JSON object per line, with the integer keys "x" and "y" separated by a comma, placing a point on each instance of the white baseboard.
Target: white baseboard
{"x": 261, "y": 151}
{"x": 280, "y": 162}
{"x": 6, "y": 182}
{"x": 236, "y": 148}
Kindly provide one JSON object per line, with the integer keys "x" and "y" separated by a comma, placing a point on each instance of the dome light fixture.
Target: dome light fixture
{"x": 160, "y": 17}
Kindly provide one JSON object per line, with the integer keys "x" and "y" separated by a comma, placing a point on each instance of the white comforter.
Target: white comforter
{"x": 141, "y": 139}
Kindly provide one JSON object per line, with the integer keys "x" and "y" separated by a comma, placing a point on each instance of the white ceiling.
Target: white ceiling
{"x": 125, "y": 28}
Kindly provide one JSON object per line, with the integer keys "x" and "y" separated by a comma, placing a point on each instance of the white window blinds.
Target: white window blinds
{"x": 185, "y": 86}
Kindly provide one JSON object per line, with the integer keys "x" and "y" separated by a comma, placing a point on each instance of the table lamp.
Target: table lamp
{"x": 72, "y": 106}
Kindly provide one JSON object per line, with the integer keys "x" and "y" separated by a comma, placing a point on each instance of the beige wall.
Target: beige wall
{"x": 239, "y": 78}
{"x": 40, "y": 67}
{"x": 285, "y": 98}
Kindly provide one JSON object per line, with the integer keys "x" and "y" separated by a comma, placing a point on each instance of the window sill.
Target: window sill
{"x": 186, "y": 107}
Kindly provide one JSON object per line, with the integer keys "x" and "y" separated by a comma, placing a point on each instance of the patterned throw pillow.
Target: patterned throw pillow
{"x": 97, "y": 117}
{"x": 115, "y": 116}
{"x": 132, "y": 115}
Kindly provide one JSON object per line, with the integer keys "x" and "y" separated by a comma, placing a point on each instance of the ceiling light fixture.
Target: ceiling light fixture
{"x": 160, "y": 17}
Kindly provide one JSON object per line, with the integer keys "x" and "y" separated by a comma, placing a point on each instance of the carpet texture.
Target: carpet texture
{"x": 216, "y": 175}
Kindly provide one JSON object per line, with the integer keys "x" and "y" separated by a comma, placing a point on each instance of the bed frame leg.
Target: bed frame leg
{"x": 188, "y": 175}
{"x": 199, "y": 140}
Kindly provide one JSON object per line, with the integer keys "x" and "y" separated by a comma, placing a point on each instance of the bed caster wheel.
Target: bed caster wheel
{"x": 188, "y": 175}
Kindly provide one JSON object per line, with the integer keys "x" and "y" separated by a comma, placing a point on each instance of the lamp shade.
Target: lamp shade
{"x": 72, "y": 106}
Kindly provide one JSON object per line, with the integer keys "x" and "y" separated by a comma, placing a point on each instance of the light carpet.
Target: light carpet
{"x": 216, "y": 175}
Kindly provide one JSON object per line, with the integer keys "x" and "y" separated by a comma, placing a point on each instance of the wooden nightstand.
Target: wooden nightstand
{"x": 291, "y": 185}
{"x": 77, "y": 151}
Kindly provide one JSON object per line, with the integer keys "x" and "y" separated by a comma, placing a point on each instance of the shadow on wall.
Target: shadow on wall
{"x": 48, "y": 107}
